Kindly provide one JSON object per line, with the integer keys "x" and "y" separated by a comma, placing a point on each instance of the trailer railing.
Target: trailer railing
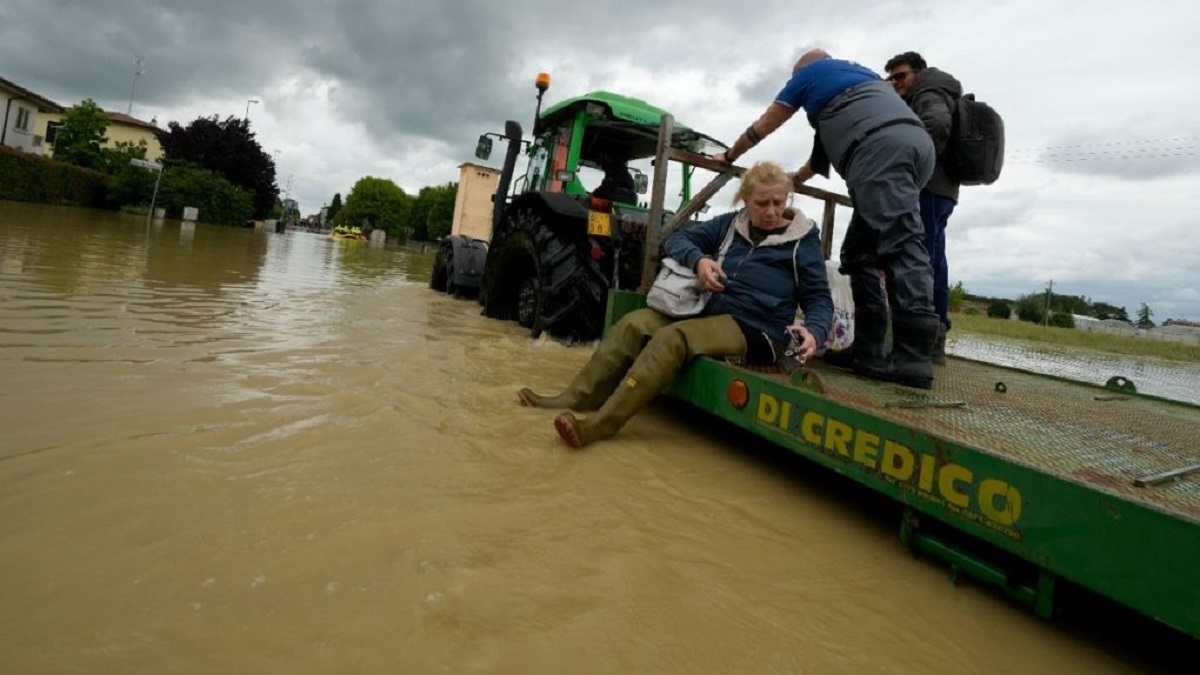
{"x": 655, "y": 236}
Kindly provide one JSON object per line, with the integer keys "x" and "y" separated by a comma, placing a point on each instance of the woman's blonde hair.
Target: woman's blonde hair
{"x": 762, "y": 173}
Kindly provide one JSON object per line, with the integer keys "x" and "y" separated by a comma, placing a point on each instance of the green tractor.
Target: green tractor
{"x": 557, "y": 245}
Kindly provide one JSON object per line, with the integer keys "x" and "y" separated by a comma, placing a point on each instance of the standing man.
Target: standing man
{"x": 881, "y": 149}
{"x": 932, "y": 95}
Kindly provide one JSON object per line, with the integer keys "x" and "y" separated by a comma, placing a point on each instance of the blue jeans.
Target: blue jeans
{"x": 935, "y": 215}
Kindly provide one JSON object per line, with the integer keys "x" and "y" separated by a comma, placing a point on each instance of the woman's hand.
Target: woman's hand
{"x": 808, "y": 344}
{"x": 710, "y": 274}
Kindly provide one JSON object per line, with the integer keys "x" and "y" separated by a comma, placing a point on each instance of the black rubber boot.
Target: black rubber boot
{"x": 912, "y": 349}
{"x": 939, "y": 345}
{"x": 870, "y": 355}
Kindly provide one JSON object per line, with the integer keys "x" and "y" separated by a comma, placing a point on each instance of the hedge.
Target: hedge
{"x": 27, "y": 177}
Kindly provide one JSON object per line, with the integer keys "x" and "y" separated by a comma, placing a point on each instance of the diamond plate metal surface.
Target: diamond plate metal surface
{"x": 1089, "y": 435}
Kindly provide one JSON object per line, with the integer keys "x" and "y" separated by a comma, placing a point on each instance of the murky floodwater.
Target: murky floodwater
{"x": 234, "y": 451}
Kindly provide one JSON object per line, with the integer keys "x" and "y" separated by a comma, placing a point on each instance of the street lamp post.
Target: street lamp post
{"x": 153, "y": 166}
{"x": 286, "y": 194}
{"x": 248, "y": 102}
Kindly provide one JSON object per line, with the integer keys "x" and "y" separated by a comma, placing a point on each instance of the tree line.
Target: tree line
{"x": 219, "y": 166}
{"x": 1053, "y": 309}
{"x": 379, "y": 203}
{"x": 213, "y": 164}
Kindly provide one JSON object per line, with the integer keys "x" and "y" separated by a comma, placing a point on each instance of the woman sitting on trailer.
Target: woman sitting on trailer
{"x": 773, "y": 264}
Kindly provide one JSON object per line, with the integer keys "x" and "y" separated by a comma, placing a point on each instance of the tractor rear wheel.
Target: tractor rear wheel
{"x": 542, "y": 275}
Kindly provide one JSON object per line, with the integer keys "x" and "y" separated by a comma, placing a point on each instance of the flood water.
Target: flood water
{"x": 233, "y": 451}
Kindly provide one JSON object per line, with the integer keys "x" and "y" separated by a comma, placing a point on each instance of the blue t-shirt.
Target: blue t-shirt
{"x": 816, "y": 84}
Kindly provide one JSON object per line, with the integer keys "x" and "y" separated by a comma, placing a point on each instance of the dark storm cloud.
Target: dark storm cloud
{"x": 76, "y": 50}
{"x": 439, "y": 71}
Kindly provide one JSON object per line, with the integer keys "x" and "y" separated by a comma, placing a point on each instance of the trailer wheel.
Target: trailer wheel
{"x": 451, "y": 288}
{"x": 438, "y": 276}
{"x": 541, "y": 274}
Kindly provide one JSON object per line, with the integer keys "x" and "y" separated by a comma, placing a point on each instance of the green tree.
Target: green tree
{"x": 957, "y": 295}
{"x": 432, "y": 212}
{"x": 218, "y": 200}
{"x": 335, "y": 207}
{"x": 1145, "y": 317}
{"x": 80, "y": 139}
{"x": 229, "y": 148}
{"x": 130, "y": 185}
{"x": 1062, "y": 319}
{"x": 1103, "y": 310}
{"x": 115, "y": 159}
{"x": 376, "y": 203}
{"x": 999, "y": 309}
{"x": 1032, "y": 308}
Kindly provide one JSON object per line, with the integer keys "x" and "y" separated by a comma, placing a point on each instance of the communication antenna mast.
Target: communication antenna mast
{"x": 139, "y": 69}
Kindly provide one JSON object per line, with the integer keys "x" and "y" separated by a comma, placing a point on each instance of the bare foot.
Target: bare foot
{"x": 524, "y": 397}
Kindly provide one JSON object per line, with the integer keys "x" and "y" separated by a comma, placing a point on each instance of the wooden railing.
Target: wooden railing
{"x": 655, "y": 236}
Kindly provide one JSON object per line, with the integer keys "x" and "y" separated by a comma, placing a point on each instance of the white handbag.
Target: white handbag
{"x": 677, "y": 292}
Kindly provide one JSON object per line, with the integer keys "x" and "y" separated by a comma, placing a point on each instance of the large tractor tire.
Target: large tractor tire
{"x": 541, "y": 274}
{"x": 441, "y": 273}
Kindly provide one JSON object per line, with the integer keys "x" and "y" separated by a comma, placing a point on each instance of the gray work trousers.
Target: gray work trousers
{"x": 886, "y": 234}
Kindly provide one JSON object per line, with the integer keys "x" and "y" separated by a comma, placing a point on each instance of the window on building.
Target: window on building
{"x": 52, "y": 131}
{"x": 22, "y": 119}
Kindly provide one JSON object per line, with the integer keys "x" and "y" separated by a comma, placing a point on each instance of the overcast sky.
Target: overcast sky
{"x": 1102, "y": 113}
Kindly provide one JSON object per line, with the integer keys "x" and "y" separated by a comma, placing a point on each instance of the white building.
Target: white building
{"x": 19, "y": 117}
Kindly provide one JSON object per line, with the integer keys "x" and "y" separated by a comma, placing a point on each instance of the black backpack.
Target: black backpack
{"x": 975, "y": 153}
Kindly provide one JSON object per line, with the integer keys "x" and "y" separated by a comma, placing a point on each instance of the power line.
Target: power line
{"x": 1186, "y": 141}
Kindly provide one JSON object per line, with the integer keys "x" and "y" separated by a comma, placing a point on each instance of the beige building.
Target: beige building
{"x": 121, "y": 129}
{"x": 473, "y": 202}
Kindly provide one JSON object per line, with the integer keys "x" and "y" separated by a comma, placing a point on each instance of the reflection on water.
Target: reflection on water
{"x": 1158, "y": 377}
{"x": 235, "y": 450}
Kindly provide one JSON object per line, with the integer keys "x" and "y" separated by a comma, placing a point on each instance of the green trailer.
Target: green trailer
{"x": 1015, "y": 479}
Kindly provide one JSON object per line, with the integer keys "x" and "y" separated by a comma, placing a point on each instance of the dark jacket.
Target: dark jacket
{"x": 617, "y": 185}
{"x": 933, "y": 97}
{"x": 761, "y": 289}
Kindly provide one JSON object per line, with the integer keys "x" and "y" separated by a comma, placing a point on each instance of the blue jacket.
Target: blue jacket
{"x": 764, "y": 283}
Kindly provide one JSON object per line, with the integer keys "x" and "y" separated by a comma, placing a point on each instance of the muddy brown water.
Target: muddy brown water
{"x": 228, "y": 450}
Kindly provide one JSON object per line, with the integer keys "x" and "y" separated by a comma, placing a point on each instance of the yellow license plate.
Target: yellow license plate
{"x": 599, "y": 224}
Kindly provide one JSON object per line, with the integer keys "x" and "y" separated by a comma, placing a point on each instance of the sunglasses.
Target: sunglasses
{"x": 896, "y": 77}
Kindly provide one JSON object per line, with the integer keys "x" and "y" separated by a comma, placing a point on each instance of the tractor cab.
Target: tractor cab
{"x": 572, "y": 226}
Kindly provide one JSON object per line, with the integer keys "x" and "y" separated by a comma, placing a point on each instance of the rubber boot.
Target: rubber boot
{"x": 939, "y": 345}
{"x": 599, "y": 377}
{"x": 870, "y": 355}
{"x": 655, "y": 368}
{"x": 913, "y": 336}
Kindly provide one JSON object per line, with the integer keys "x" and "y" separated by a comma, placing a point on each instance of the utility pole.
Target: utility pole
{"x": 139, "y": 69}
{"x": 1049, "y": 292}
{"x": 247, "y": 115}
{"x": 287, "y": 193}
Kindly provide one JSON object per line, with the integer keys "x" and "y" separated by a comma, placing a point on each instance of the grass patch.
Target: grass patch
{"x": 1069, "y": 337}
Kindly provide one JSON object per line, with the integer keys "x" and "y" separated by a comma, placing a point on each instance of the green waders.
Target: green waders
{"x": 670, "y": 347}
{"x": 599, "y": 377}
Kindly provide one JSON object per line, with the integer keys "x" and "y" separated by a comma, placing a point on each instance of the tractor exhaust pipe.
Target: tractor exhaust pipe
{"x": 513, "y": 133}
